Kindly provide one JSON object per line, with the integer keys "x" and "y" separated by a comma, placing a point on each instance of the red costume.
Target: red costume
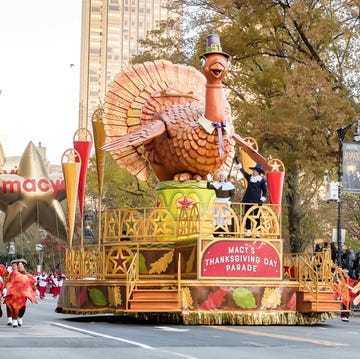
{"x": 21, "y": 286}
{"x": 346, "y": 293}
{"x": 3, "y": 273}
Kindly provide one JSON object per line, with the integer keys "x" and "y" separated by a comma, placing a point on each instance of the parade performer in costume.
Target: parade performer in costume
{"x": 3, "y": 274}
{"x": 21, "y": 286}
{"x": 51, "y": 283}
{"x": 256, "y": 192}
{"x": 55, "y": 279}
{"x": 61, "y": 279}
{"x": 11, "y": 268}
{"x": 224, "y": 191}
{"x": 346, "y": 292}
{"x": 42, "y": 284}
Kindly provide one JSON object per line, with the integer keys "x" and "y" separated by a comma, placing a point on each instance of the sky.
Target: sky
{"x": 39, "y": 75}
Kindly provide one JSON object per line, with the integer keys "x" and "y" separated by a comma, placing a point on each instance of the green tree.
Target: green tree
{"x": 121, "y": 189}
{"x": 53, "y": 256}
{"x": 164, "y": 43}
{"x": 293, "y": 82}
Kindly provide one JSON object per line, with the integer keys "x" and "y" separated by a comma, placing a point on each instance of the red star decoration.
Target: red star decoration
{"x": 185, "y": 202}
{"x": 120, "y": 259}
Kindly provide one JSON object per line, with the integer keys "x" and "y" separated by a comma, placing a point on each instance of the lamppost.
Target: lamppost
{"x": 341, "y": 132}
{"x": 39, "y": 249}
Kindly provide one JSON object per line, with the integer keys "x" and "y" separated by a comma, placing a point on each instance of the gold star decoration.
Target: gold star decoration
{"x": 252, "y": 142}
{"x": 82, "y": 134}
{"x": 276, "y": 165}
{"x": 70, "y": 156}
{"x": 30, "y": 196}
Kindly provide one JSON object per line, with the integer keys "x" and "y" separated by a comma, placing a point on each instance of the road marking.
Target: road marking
{"x": 141, "y": 345}
{"x": 170, "y": 329}
{"x": 280, "y": 336}
{"x": 144, "y": 346}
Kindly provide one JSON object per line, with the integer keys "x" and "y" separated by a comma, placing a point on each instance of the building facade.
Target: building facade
{"x": 111, "y": 30}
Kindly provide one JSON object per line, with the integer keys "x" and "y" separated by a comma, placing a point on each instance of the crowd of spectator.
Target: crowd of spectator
{"x": 350, "y": 261}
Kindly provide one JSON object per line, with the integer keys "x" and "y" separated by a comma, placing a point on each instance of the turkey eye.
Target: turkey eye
{"x": 228, "y": 64}
{"x": 202, "y": 62}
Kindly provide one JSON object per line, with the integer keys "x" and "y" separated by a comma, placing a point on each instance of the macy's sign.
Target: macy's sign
{"x": 33, "y": 185}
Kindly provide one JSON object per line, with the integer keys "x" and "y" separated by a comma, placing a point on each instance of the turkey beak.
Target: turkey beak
{"x": 217, "y": 69}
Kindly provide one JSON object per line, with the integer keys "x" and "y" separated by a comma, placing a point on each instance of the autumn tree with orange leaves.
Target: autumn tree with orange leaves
{"x": 294, "y": 80}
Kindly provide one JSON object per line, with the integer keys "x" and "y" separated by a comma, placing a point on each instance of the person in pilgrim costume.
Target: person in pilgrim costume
{"x": 224, "y": 191}
{"x": 256, "y": 192}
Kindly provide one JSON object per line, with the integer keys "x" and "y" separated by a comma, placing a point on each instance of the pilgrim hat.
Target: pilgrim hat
{"x": 258, "y": 168}
{"x": 213, "y": 46}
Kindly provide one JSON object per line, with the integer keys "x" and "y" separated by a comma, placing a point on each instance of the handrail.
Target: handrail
{"x": 167, "y": 223}
{"x": 308, "y": 279}
{"x": 132, "y": 277}
{"x": 315, "y": 270}
{"x": 179, "y": 283}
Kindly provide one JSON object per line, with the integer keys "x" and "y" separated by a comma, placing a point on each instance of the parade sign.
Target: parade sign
{"x": 351, "y": 167}
{"x": 243, "y": 259}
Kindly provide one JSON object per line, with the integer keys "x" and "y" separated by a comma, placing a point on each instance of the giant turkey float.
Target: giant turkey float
{"x": 174, "y": 262}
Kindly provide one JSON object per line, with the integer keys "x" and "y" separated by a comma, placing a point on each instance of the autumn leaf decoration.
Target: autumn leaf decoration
{"x": 190, "y": 262}
{"x": 142, "y": 264}
{"x": 82, "y": 296}
{"x": 162, "y": 264}
{"x": 271, "y": 298}
{"x": 114, "y": 296}
{"x": 187, "y": 301}
{"x": 291, "y": 304}
{"x": 215, "y": 299}
{"x": 97, "y": 297}
{"x": 72, "y": 297}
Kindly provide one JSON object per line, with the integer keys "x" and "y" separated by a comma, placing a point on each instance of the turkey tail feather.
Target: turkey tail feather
{"x": 134, "y": 99}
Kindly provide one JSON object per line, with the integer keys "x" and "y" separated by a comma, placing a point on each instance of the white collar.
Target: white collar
{"x": 226, "y": 186}
{"x": 255, "y": 179}
{"x": 208, "y": 125}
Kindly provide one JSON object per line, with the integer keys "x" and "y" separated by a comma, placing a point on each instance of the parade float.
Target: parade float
{"x": 175, "y": 262}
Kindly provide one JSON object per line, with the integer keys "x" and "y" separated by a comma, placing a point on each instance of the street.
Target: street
{"x": 46, "y": 333}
